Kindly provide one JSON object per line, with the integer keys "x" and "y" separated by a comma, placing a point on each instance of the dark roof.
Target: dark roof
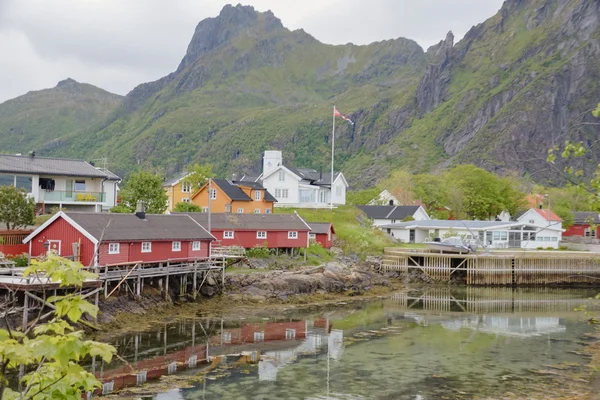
{"x": 320, "y": 227}
{"x": 313, "y": 176}
{"x": 231, "y": 190}
{"x": 265, "y": 222}
{"x": 586, "y": 217}
{"x": 129, "y": 227}
{"x": 248, "y": 178}
{"x": 257, "y": 186}
{"x": 51, "y": 166}
{"x": 174, "y": 179}
{"x": 389, "y": 212}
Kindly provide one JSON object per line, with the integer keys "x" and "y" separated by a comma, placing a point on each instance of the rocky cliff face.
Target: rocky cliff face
{"x": 514, "y": 86}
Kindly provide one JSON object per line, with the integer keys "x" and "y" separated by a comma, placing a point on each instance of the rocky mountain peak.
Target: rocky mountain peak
{"x": 211, "y": 33}
{"x": 66, "y": 83}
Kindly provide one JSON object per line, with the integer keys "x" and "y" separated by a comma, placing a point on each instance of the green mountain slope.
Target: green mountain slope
{"x": 41, "y": 118}
{"x": 516, "y": 85}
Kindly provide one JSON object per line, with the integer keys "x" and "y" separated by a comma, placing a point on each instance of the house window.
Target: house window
{"x": 114, "y": 248}
{"x": 195, "y": 246}
{"x": 228, "y": 235}
{"x": 80, "y": 186}
{"x": 290, "y": 334}
{"x": 146, "y": 247}
{"x": 259, "y": 336}
{"x": 281, "y": 176}
{"x": 338, "y": 190}
{"x": 268, "y": 211}
{"x": 240, "y": 210}
{"x": 500, "y": 235}
{"x": 185, "y": 200}
{"x": 226, "y": 337}
{"x": 257, "y": 211}
{"x": 186, "y": 187}
{"x": 228, "y": 207}
{"x": 213, "y": 194}
{"x": 257, "y": 195}
{"x": 204, "y": 209}
{"x": 261, "y": 235}
{"x": 281, "y": 193}
{"x": 176, "y": 246}
{"x": 312, "y": 236}
{"x": 589, "y": 232}
{"x": 292, "y": 235}
{"x": 531, "y": 221}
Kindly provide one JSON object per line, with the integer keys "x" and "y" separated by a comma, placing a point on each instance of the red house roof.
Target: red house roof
{"x": 548, "y": 215}
{"x": 321, "y": 227}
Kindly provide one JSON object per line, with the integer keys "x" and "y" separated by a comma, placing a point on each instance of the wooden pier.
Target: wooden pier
{"x": 499, "y": 267}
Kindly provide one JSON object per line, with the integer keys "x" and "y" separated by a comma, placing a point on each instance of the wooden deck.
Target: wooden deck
{"x": 499, "y": 267}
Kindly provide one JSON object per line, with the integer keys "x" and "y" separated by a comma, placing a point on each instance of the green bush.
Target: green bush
{"x": 259, "y": 251}
{"x": 21, "y": 260}
{"x": 120, "y": 209}
{"x": 563, "y": 248}
{"x": 187, "y": 207}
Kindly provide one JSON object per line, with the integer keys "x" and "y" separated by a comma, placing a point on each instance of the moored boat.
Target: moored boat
{"x": 450, "y": 245}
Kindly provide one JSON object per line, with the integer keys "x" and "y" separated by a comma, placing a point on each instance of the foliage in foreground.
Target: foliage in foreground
{"x": 51, "y": 352}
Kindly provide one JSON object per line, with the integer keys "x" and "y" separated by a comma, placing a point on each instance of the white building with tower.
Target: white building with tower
{"x": 300, "y": 187}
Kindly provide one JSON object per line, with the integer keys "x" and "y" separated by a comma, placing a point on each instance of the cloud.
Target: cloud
{"x": 118, "y": 44}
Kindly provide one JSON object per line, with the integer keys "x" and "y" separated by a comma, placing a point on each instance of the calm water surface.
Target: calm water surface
{"x": 421, "y": 344}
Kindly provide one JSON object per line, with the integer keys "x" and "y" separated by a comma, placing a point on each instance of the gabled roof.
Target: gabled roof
{"x": 256, "y": 186}
{"x": 231, "y": 190}
{"x": 389, "y": 212}
{"x": 321, "y": 227}
{"x": 260, "y": 222}
{"x": 548, "y": 215}
{"x": 248, "y": 178}
{"x": 314, "y": 177}
{"x": 586, "y": 218}
{"x": 124, "y": 227}
{"x": 455, "y": 224}
{"x": 51, "y": 166}
{"x": 174, "y": 180}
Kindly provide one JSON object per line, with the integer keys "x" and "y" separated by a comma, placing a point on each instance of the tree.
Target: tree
{"x": 187, "y": 207}
{"x": 52, "y": 351}
{"x": 512, "y": 199}
{"x": 400, "y": 185}
{"x": 146, "y": 187}
{"x": 16, "y": 210}
{"x": 198, "y": 175}
{"x": 433, "y": 193}
{"x": 362, "y": 197}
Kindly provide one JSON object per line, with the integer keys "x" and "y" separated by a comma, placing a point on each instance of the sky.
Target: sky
{"x": 118, "y": 44}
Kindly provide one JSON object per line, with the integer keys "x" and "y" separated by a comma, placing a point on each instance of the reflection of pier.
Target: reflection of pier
{"x": 186, "y": 345}
{"x": 495, "y": 300}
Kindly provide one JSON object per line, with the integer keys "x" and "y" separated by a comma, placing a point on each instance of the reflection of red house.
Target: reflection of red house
{"x": 322, "y": 233}
{"x": 583, "y": 225}
{"x": 105, "y": 238}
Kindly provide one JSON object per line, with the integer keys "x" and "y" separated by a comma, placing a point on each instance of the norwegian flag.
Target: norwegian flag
{"x": 339, "y": 114}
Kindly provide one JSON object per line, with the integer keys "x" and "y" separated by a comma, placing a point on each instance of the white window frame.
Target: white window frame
{"x": 228, "y": 234}
{"x": 75, "y": 185}
{"x": 114, "y": 250}
{"x": 292, "y": 234}
{"x": 185, "y": 200}
{"x": 290, "y": 334}
{"x": 196, "y": 245}
{"x": 240, "y": 210}
{"x": 186, "y": 188}
{"x": 259, "y": 336}
{"x": 213, "y": 194}
{"x": 149, "y": 249}
{"x": 176, "y": 246}
{"x": 268, "y": 211}
{"x": 282, "y": 176}
{"x": 257, "y": 195}
{"x": 204, "y": 209}
{"x": 257, "y": 211}
{"x": 226, "y": 337}
{"x": 261, "y": 234}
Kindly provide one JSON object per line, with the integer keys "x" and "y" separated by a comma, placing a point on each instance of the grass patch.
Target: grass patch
{"x": 353, "y": 229}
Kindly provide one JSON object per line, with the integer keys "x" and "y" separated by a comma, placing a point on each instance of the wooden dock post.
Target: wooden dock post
{"x": 195, "y": 279}
{"x": 167, "y": 282}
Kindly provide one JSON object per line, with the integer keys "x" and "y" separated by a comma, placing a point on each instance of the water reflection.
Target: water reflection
{"x": 427, "y": 343}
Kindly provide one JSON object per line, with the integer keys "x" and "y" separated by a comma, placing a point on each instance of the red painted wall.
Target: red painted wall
{"x": 161, "y": 251}
{"x": 67, "y": 234}
{"x": 275, "y": 239}
{"x": 323, "y": 240}
{"x": 578, "y": 230}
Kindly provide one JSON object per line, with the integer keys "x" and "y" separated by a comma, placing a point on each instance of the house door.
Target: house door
{"x": 411, "y": 236}
{"x": 514, "y": 239}
{"x": 69, "y": 189}
{"x": 55, "y": 246}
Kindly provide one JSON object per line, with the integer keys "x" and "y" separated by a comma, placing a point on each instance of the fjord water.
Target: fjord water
{"x": 420, "y": 344}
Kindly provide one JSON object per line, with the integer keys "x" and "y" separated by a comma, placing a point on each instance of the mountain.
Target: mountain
{"x": 42, "y": 118}
{"x": 514, "y": 86}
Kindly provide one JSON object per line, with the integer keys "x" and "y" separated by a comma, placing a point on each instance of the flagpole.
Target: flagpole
{"x": 332, "y": 151}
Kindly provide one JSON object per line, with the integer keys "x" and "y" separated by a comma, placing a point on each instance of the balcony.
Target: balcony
{"x": 60, "y": 196}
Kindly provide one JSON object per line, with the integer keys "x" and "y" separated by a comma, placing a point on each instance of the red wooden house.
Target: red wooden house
{"x": 106, "y": 239}
{"x": 283, "y": 231}
{"x": 322, "y": 233}
{"x": 582, "y": 225}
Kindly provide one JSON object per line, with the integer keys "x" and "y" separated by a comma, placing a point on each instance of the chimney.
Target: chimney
{"x": 234, "y": 177}
{"x": 140, "y": 210}
{"x": 541, "y": 206}
{"x": 32, "y": 154}
{"x": 391, "y": 202}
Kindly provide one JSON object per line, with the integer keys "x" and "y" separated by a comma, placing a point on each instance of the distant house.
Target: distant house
{"x": 177, "y": 191}
{"x": 300, "y": 187}
{"x": 582, "y": 226}
{"x": 60, "y": 182}
{"x": 384, "y": 198}
{"x": 234, "y": 197}
{"x": 383, "y": 215}
{"x": 322, "y": 233}
{"x": 107, "y": 238}
{"x": 531, "y": 231}
{"x": 276, "y": 231}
